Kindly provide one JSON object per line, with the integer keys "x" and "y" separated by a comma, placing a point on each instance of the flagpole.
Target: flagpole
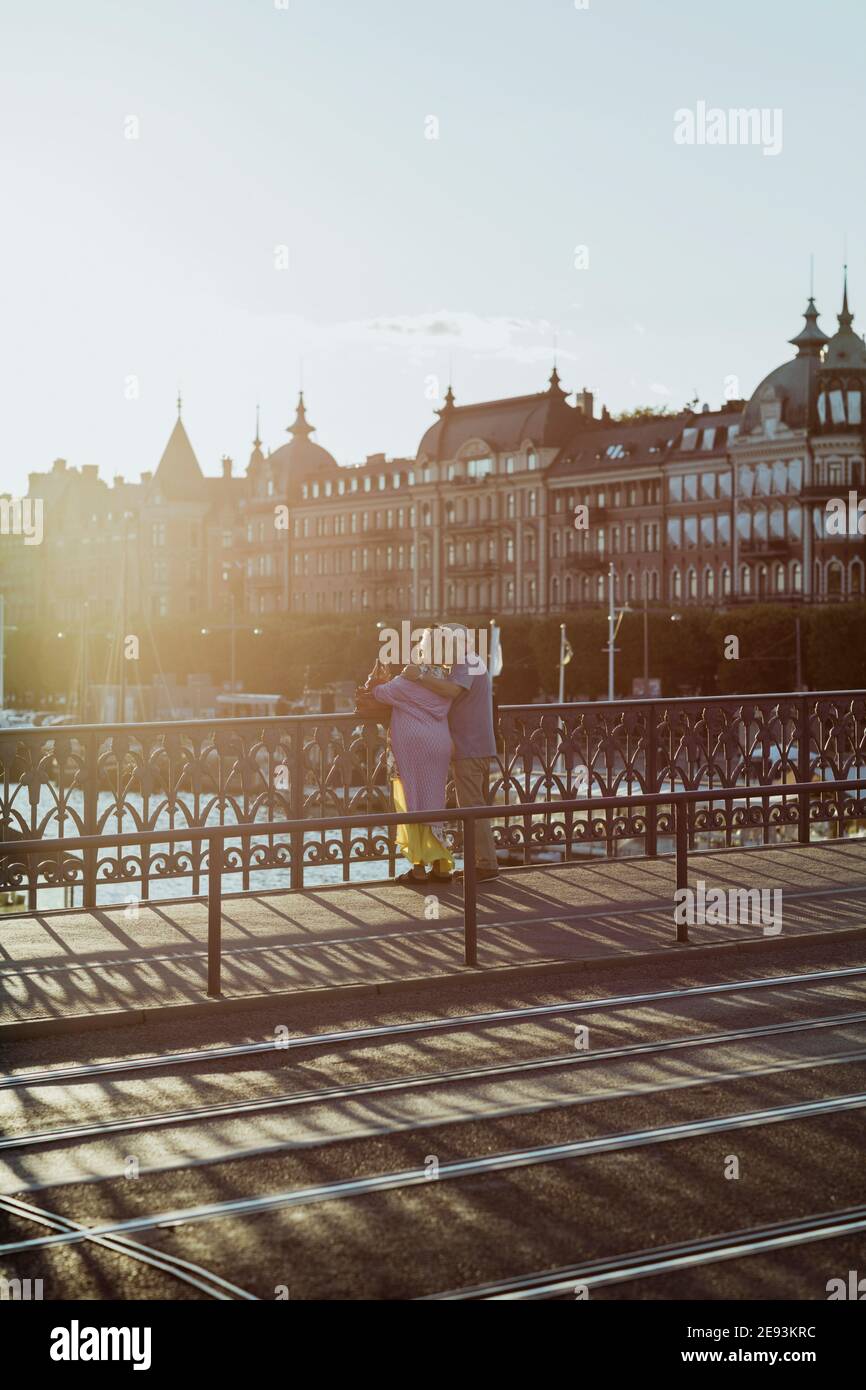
{"x": 562, "y": 663}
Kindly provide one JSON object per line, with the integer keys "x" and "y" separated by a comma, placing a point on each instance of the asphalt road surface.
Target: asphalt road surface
{"x": 594, "y": 1121}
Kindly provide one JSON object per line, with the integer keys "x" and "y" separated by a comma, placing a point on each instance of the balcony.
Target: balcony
{"x": 482, "y": 567}
{"x": 586, "y": 562}
{"x": 822, "y": 492}
{"x": 768, "y": 545}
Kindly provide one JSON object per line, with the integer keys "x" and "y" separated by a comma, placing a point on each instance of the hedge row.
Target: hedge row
{"x": 687, "y": 654}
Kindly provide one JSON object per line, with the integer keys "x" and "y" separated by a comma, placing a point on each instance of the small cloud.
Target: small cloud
{"x": 659, "y": 390}
{"x": 639, "y": 328}
{"x": 505, "y": 337}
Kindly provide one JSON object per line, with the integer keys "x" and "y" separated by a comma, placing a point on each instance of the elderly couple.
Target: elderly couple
{"x": 437, "y": 713}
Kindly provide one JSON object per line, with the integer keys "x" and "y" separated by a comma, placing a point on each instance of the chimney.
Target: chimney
{"x": 146, "y": 477}
{"x": 58, "y": 466}
{"x": 227, "y": 466}
{"x": 585, "y": 403}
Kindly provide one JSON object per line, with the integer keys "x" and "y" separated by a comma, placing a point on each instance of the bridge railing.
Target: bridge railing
{"x": 250, "y": 774}
{"x": 682, "y": 805}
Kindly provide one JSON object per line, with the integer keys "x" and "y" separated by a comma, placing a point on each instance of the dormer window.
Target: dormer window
{"x": 480, "y": 468}
{"x": 771, "y": 412}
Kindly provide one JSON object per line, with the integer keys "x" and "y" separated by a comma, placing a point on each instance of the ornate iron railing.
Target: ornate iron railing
{"x": 121, "y": 779}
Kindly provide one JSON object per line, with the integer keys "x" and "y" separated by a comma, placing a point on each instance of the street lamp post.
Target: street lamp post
{"x": 233, "y": 576}
{"x": 646, "y": 635}
{"x": 613, "y": 613}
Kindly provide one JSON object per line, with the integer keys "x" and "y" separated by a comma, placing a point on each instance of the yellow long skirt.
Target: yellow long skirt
{"x": 418, "y": 842}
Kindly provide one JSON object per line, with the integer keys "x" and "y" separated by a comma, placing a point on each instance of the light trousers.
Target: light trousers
{"x": 472, "y": 784}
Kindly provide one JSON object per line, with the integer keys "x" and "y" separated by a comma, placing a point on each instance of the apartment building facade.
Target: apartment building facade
{"x": 512, "y": 506}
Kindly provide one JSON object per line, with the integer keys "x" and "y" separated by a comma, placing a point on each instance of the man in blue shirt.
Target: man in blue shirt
{"x": 469, "y": 687}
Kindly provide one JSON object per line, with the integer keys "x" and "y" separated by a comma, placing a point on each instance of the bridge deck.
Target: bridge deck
{"x": 63, "y": 965}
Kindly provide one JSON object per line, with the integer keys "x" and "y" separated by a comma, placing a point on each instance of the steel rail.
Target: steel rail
{"x": 493, "y": 1071}
{"x": 185, "y": 1270}
{"x": 417, "y": 1177}
{"x": 664, "y": 1259}
{"x": 86, "y": 1071}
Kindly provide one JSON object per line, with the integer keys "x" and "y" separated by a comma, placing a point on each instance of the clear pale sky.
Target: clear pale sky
{"x": 304, "y": 127}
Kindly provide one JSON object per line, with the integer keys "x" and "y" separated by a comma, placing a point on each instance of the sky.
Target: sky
{"x": 233, "y": 196}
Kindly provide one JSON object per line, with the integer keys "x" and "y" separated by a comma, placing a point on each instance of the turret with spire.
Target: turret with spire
{"x": 448, "y": 403}
{"x": 301, "y": 428}
{"x": 257, "y": 456}
{"x": 846, "y": 349}
{"x": 178, "y": 475}
{"x": 811, "y": 339}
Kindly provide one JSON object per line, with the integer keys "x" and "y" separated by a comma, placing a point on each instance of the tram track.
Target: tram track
{"x": 455, "y": 1022}
{"x": 203, "y": 1280}
{"x": 492, "y": 1072}
{"x": 491, "y": 1164}
{"x": 665, "y": 1259}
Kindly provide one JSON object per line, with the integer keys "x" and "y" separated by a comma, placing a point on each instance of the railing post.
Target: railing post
{"x": 650, "y": 778}
{"x": 214, "y": 916}
{"x": 803, "y": 760}
{"x": 470, "y": 926}
{"x": 681, "y": 819}
{"x": 90, "y": 789}
{"x": 297, "y": 836}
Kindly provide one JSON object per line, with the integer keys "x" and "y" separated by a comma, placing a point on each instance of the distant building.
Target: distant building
{"x": 713, "y": 507}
